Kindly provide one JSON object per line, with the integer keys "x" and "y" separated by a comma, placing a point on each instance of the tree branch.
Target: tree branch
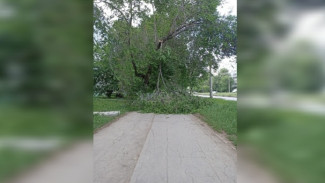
{"x": 135, "y": 68}
{"x": 177, "y": 31}
{"x": 146, "y": 76}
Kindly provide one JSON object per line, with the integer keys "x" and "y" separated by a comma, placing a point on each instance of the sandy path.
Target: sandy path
{"x": 147, "y": 148}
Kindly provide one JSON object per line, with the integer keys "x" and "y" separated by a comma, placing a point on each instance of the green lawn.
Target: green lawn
{"x": 100, "y": 120}
{"x": 36, "y": 123}
{"x": 290, "y": 143}
{"x": 14, "y": 161}
{"x": 222, "y": 116}
{"x": 225, "y": 94}
{"x": 105, "y": 104}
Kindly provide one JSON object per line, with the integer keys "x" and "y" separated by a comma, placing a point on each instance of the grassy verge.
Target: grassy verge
{"x": 13, "y": 161}
{"x": 19, "y": 123}
{"x": 225, "y": 94}
{"x": 100, "y": 121}
{"x": 288, "y": 142}
{"x": 105, "y": 104}
{"x": 221, "y": 115}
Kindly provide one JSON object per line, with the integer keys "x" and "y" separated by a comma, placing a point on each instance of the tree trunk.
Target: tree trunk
{"x": 157, "y": 86}
{"x": 210, "y": 81}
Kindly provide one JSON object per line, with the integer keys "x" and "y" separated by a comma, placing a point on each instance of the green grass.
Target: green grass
{"x": 290, "y": 143}
{"x": 34, "y": 122}
{"x": 105, "y": 104}
{"x": 100, "y": 121}
{"x": 14, "y": 161}
{"x": 225, "y": 94}
{"x": 221, "y": 115}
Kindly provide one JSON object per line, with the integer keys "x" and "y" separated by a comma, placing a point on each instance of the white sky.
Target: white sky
{"x": 228, "y": 7}
{"x": 309, "y": 26}
{"x": 228, "y": 63}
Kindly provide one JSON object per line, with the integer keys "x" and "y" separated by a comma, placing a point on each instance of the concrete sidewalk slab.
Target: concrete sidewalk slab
{"x": 147, "y": 148}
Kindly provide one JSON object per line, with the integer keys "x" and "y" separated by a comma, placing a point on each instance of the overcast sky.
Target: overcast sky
{"x": 229, "y": 7}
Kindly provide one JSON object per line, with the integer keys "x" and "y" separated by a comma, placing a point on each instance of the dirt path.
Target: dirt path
{"x": 147, "y": 148}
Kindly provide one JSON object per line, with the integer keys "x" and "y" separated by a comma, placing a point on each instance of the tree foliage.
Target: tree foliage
{"x": 152, "y": 45}
{"x": 223, "y": 81}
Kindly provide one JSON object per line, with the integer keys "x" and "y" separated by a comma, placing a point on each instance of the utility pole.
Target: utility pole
{"x": 210, "y": 81}
{"x": 228, "y": 84}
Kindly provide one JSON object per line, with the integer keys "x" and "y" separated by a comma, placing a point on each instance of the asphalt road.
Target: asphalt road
{"x": 150, "y": 148}
{"x": 220, "y": 97}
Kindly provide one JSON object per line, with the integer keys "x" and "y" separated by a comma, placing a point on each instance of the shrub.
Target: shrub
{"x": 169, "y": 103}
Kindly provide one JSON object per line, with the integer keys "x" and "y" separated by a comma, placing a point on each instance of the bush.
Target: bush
{"x": 169, "y": 103}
